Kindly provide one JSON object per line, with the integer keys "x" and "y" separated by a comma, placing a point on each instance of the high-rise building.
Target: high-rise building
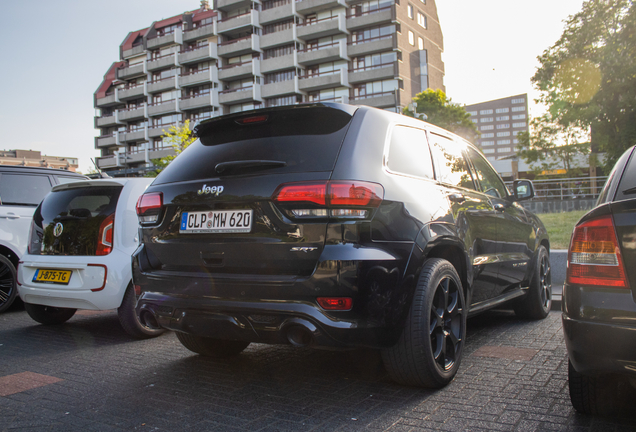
{"x": 246, "y": 54}
{"x": 499, "y": 122}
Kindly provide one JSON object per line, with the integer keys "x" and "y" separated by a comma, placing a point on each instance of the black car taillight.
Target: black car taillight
{"x": 594, "y": 258}
{"x": 149, "y": 207}
{"x": 336, "y": 199}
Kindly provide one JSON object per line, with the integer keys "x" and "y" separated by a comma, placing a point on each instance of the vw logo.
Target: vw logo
{"x": 57, "y": 230}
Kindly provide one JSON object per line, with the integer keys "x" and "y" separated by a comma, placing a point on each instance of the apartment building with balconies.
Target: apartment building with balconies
{"x": 249, "y": 54}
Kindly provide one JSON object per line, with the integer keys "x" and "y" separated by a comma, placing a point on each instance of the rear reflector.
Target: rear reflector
{"x": 149, "y": 206}
{"x": 335, "y": 303}
{"x": 594, "y": 258}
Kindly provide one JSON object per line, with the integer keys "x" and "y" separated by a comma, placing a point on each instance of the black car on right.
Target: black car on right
{"x": 599, "y": 295}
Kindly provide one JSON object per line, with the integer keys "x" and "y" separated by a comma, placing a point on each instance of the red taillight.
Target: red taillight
{"x": 340, "y": 199}
{"x": 335, "y": 303}
{"x": 105, "y": 236}
{"x": 149, "y": 206}
{"x": 595, "y": 258}
{"x": 254, "y": 119}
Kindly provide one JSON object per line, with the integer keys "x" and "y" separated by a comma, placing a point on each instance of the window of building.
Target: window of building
{"x": 488, "y": 150}
{"x": 487, "y": 143}
{"x": 411, "y": 38}
{"x": 485, "y": 119}
{"x": 328, "y": 95}
{"x": 410, "y": 10}
{"x": 281, "y": 76}
{"x": 520, "y": 124}
{"x": 503, "y": 126}
{"x": 421, "y": 19}
{"x": 503, "y": 134}
{"x": 278, "y": 52}
{"x": 168, "y": 29}
{"x": 163, "y": 74}
{"x": 518, "y": 117}
{"x": 373, "y": 33}
{"x": 483, "y": 112}
{"x": 244, "y": 107}
{"x": 487, "y": 127}
{"x": 166, "y": 120}
{"x": 503, "y": 118}
{"x": 271, "y": 4}
{"x": 202, "y": 23}
{"x": 518, "y": 101}
{"x": 279, "y": 26}
{"x": 501, "y": 110}
{"x": 284, "y": 100}
{"x": 504, "y": 150}
{"x": 374, "y": 88}
{"x": 167, "y": 96}
{"x": 201, "y": 114}
{"x": 420, "y": 43}
{"x": 197, "y": 91}
{"x": 374, "y": 61}
{"x": 488, "y": 135}
{"x": 472, "y": 113}
{"x": 503, "y": 142}
{"x": 519, "y": 108}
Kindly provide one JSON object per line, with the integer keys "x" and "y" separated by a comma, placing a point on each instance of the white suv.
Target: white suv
{"x": 79, "y": 254}
{"x": 21, "y": 190}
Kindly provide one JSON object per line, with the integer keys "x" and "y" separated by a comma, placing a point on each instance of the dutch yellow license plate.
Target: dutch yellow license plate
{"x": 52, "y": 276}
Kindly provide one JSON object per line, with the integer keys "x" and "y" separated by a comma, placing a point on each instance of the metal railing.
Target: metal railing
{"x": 567, "y": 188}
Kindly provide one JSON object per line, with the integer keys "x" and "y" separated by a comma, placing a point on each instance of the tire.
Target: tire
{"x": 130, "y": 321}
{"x": 209, "y": 347}
{"x": 49, "y": 315}
{"x": 590, "y": 394}
{"x": 537, "y": 302}
{"x": 8, "y": 285}
{"x": 429, "y": 350}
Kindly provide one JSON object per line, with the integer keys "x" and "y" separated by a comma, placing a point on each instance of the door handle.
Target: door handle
{"x": 457, "y": 197}
{"x": 500, "y": 207}
{"x": 10, "y": 215}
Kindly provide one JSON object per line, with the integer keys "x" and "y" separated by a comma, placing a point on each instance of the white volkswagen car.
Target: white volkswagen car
{"x": 79, "y": 253}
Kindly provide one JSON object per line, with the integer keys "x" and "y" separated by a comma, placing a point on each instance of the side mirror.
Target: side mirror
{"x": 523, "y": 190}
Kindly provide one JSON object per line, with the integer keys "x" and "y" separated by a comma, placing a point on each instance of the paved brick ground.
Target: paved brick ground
{"x": 512, "y": 378}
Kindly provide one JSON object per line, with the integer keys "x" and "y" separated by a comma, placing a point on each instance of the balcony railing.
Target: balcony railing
{"x": 230, "y": 42}
{"x": 317, "y": 74}
{"x": 312, "y": 22}
{"x": 374, "y": 95}
{"x": 566, "y": 188}
{"x": 237, "y": 90}
{"x": 198, "y": 47}
{"x": 161, "y": 102}
{"x": 361, "y": 14}
{"x": 194, "y": 72}
{"x": 359, "y": 41}
{"x": 226, "y": 19}
{"x": 318, "y": 47}
{"x": 371, "y": 67}
{"x": 233, "y": 65}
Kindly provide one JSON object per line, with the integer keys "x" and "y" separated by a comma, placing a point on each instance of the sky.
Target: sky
{"x": 55, "y": 54}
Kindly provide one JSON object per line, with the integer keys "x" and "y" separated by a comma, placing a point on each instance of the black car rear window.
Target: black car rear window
{"x": 299, "y": 139}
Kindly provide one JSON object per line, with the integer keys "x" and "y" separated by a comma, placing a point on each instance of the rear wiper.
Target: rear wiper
{"x": 229, "y": 166}
{"x": 629, "y": 191}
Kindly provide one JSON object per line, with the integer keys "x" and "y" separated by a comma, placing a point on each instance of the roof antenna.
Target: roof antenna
{"x": 102, "y": 174}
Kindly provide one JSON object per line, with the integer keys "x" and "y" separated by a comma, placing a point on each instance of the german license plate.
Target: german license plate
{"x": 52, "y": 276}
{"x": 219, "y": 221}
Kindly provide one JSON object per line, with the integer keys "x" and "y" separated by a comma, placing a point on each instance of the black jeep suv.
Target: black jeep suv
{"x": 336, "y": 226}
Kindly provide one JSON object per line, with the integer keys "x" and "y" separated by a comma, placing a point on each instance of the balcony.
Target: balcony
{"x": 237, "y": 47}
{"x": 306, "y": 7}
{"x": 238, "y": 24}
{"x": 162, "y": 85}
{"x": 326, "y": 53}
{"x": 160, "y": 153}
{"x": 162, "y": 62}
{"x": 175, "y": 37}
{"x": 280, "y": 63}
{"x": 241, "y": 95}
{"x": 282, "y": 88}
{"x": 158, "y": 108}
{"x": 105, "y": 141}
{"x": 199, "y": 33}
{"x": 132, "y": 92}
{"x": 204, "y": 76}
{"x": 283, "y": 37}
{"x": 372, "y": 46}
{"x": 131, "y": 72}
{"x": 279, "y": 13}
{"x": 106, "y": 162}
{"x": 239, "y": 71}
{"x": 376, "y": 100}
{"x": 372, "y": 18}
{"x": 333, "y": 26}
{"x": 134, "y": 51}
{"x": 106, "y": 121}
{"x": 132, "y": 136}
{"x": 107, "y": 101}
{"x": 228, "y": 5}
{"x": 199, "y": 54}
{"x": 325, "y": 80}
{"x": 374, "y": 73}
{"x": 200, "y": 101}
{"x": 157, "y": 131}
{"x": 132, "y": 114}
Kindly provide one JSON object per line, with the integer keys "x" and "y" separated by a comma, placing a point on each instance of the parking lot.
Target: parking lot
{"x": 89, "y": 375}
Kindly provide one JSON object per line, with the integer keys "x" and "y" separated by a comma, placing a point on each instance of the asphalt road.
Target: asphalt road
{"x": 89, "y": 375}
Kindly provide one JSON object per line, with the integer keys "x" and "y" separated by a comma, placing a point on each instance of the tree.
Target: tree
{"x": 441, "y": 111}
{"x": 587, "y": 79}
{"x": 552, "y": 146}
{"x": 179, "y": 137}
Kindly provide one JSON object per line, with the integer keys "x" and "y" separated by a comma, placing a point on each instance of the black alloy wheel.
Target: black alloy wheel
{"x": 8, "y": 286}
{"x": 536, "y": 304}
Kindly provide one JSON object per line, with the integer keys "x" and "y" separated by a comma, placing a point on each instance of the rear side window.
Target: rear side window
{"x": 304, "y": 139}
{"x": 409, "y": 153}
{"x": 627, "y": 187}
{"x": 451, "y": 167}
{"x": 23, "y": 189}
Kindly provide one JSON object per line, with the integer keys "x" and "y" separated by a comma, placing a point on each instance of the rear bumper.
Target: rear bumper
{"x": 598, "y": 330}
{"x": 268, "y": 309}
